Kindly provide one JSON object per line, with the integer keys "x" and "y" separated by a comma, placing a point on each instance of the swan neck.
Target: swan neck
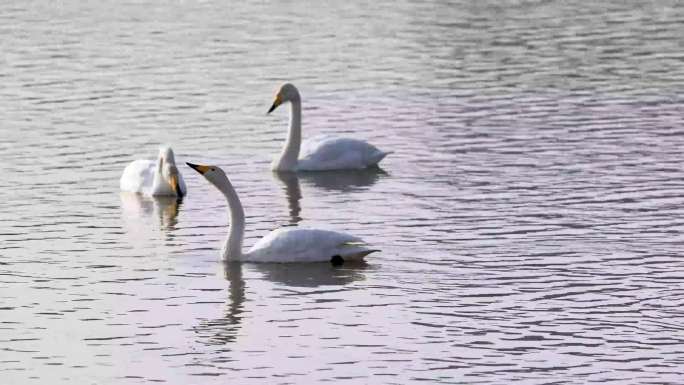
{"x": 232, "y": 249}
{"x": 159, "y": 174}
{"x": 290, "y": 153}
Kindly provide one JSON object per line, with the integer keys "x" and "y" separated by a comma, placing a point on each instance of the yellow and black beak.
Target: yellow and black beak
{"x": 175, "y": 185}
{"x": 278, "y": 101}
{"x": 198, "y": 167}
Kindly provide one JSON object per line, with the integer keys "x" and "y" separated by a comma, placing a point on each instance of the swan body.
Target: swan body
{"x": 154, "y": 178}
{"x": 284, "y": 244}
{"x": 138, "y": 176}
{"x": 323, "y": 153}
{"x": 307, "y": 245}
{"x": 334, "y": 153}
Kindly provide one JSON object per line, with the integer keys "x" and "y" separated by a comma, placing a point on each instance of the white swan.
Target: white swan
{"x": 285, "y": 244}
{"x": 160, "y": 178}
{"x": 322, "y": 153}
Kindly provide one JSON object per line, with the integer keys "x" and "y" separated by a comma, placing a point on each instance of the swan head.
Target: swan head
{"x": 169, "y": 170}
{"x": 213, "y": 174}
{"x": 287, "y": 93}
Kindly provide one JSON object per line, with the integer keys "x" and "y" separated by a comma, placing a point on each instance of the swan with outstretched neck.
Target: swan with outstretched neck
{"x": 323, "y": 153}
{"x": 154, "y": 178}
{"x": 289, "y": 244}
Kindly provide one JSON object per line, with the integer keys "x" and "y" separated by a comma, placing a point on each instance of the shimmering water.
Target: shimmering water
{"x": 530, "y": 218}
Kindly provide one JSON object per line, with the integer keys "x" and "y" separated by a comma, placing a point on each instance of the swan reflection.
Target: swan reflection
{"x": 223, "y": 330}
{"x": 293, "y": 193}
{"x": 136, "y": 207}
{"x": 342, "y": 181}
{"x": 311, "y": 274}
{"x": 226, "y": 328}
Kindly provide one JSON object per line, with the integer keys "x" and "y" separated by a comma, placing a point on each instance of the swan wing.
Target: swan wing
{"x": 306, "y": 245}
{"x": 333, "y": 153}
{"x": 138, "y": 176}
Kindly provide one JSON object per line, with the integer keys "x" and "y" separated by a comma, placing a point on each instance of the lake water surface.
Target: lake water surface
{"x": 530, "y": 218}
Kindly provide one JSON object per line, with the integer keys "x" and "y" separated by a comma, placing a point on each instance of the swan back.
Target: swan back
{"x": 331, "y": 153}
{"x": 138, "y": 177}
{"x": 291, "y": 244}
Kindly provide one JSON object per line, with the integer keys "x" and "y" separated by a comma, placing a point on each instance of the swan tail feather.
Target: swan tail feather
{"x": 377, "y": 157}
{"x": 360, "y": 251}
{"x": 359, "y": 255}
{"x": 352, "y": 244}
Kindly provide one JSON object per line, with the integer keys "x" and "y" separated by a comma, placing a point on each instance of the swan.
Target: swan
{"x": 160, "y": 178}
{"x": 285, "y": 244}
{"x": 322, "y": 153}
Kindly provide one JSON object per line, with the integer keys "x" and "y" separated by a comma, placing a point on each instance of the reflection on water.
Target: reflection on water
{"x": 311, "y": 275}
{"x": 343, "y": 180}
{"x": 293, "y": 193}
{"x": 137, "y": 207}
{"x": 223, "y": 330}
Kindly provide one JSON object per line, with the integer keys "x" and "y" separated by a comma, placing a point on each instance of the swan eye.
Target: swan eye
{"x": 213, "y": 169}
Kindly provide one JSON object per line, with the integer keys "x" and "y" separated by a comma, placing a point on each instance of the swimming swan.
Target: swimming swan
{"x": 285, "y": 244}
{"x": 160, "y": 178}
{"x": 326, "y": 153}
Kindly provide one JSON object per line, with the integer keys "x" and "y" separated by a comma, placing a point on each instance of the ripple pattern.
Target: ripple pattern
{"x": 530, "y": 217}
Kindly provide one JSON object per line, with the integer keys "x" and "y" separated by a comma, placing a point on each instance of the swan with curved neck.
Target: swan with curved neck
{"x": 288, "y": 244}
{"x": 317, "y": 154}
{"x": 154, "y": 178}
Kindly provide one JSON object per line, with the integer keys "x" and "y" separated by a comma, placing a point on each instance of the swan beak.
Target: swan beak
{"x": 278, "y": 101}
{"x": 198, "y": 167}
{"x": 175, "y": 186}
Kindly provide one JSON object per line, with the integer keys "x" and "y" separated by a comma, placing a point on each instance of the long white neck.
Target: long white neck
{"x": 232, "y": 249}
{"x": 288, "y": 157}
{"x": 158, "y": 181}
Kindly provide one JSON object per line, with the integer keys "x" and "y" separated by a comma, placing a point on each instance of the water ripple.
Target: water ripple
{"x": 529, "y": 217}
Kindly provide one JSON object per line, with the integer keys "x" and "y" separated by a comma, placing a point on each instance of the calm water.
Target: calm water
{"x": 531, "y": 218}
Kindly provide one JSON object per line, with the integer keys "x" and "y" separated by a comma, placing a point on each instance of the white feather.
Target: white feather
{"x": 137, "y": 177}
{"x": 331, "y": 153}
{"x": 140, "y": 176}
{"x": 306, "y": 245}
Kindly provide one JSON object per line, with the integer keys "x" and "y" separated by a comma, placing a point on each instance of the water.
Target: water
{"x": 530, "y": 217}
